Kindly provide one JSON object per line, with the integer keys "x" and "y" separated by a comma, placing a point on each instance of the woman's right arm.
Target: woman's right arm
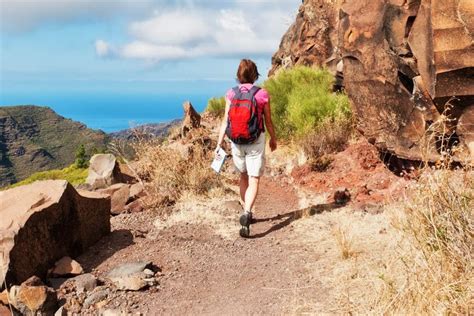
{"x": 223, "y": 124}
{"x": 269, "y": 125}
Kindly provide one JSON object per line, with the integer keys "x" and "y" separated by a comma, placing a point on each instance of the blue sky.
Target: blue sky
{"x": 71, "y": 47}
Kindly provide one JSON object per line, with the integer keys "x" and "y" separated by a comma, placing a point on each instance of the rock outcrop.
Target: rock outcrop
{"x": 103, "y": 171}
{"x": 405, "y": 63}
{"x": 191, "y": 120}
{"x": 45, "y": 221}
{"x": 312, "y": 39}
{"x": 34, "y": 138}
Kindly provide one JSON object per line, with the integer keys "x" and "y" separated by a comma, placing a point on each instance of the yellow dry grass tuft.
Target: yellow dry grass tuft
{"x": 344, "y": 242}
{"x": 437, "y": 222}
{"x": 171, "y": 171}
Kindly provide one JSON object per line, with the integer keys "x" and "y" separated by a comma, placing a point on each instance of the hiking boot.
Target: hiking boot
{"x": 245, "y": 220}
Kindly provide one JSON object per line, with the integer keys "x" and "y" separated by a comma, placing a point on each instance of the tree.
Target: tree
{"x": 81, "y": 159}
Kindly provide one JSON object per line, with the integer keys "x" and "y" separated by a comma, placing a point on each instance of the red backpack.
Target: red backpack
{"x": 245, "y": 121}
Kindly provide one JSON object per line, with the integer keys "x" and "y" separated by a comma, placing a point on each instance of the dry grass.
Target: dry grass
{"x": 438, "y": 223}
{"x": 344, "y": 242}
{"x": 171, "y": 171}
{"x": 330, "y": 137}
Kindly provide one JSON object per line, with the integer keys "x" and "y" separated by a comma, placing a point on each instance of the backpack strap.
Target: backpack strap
{"x": 237, "y": 92}
{"x": 253, "y": 91}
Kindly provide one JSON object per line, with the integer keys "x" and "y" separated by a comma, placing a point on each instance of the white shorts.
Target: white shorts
{"x": 250, "y": 158}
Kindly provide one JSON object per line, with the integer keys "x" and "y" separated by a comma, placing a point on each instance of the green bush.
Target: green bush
{"x": 302, "y": 99}
{"x": 81, "y": 158}
{"x": 216, "y": 106}
{"x": 72, "y": 174}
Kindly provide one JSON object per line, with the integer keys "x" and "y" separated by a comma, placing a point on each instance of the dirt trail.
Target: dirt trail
{"x": 207, "y": 268}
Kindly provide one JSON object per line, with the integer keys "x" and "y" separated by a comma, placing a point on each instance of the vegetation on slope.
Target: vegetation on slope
{"x": 216, "y": 107}
{"x": 73, "y": 174}
{"x": 34, "y": 138}
{"x": 302, "y": 99}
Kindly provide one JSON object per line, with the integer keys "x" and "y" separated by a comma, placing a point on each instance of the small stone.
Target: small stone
{"x": 130, "y": 283}
{"x": 129, "y": 276}
{"x": 32, "y": 297}
{"x": 120, "y": 199}
{"x": 95, "y": 297}
{"x": 137, "y": 190}
{"x": 4, "y": 297}
{"x": 86, "y": 282}
{"x": 136, "y": 206}
{"x": 128, "y": 269}
{"x": 67, "y": 266}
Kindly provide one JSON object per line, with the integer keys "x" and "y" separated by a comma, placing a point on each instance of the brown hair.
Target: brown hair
{"x": 247, "y": 72}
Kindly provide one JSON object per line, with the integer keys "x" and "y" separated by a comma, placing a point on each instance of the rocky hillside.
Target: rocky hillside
{"x": 153, "y": 129}
{"x": 405, "y": 64}
{"x": 34, "y": 138}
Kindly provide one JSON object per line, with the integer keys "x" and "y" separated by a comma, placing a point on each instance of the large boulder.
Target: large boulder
{"x": 45, "y": 221}
{"x": 405, "y": 63}
{"x": 103, "y": 171}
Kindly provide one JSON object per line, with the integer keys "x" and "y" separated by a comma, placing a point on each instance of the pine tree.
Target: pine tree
{"x": 81, "y": 159}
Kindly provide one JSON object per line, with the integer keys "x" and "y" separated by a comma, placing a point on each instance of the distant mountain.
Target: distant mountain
{"x": 34, "y": 138}
{"x": 154, "y": 129}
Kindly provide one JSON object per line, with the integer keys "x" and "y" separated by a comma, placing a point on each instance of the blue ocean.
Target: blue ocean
{"x": 114, "y": 111}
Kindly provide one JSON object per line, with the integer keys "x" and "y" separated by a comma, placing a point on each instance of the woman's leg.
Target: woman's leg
{"x": 244, "y": 184}
{"x": 251, "y": 192}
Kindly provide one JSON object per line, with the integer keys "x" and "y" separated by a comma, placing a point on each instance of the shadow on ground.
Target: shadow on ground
{"x": 106, "y": 248}
{"x": 293, "y": 216}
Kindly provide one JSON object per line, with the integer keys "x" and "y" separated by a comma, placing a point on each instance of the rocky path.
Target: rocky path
{"x": 206, "y": 267}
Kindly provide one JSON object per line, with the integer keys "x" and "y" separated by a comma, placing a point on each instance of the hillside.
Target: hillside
{"x": 34, "y": 138}
{"x": 153, "y": 129}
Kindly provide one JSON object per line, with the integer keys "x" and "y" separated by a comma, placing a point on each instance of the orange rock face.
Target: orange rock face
{"x": 406, "y": 62}
{"x": 45, "y": 221}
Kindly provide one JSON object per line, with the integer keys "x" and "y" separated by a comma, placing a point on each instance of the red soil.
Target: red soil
{"x": 358, "y": 169}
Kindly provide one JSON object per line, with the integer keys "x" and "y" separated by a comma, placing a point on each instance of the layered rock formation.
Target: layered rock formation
{"x": 34, "y": 138}
{"x": 405, "y": 64}
{"x": 45, "y": 221}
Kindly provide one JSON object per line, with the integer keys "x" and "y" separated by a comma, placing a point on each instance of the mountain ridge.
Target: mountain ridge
{"x": 35, "y": 138}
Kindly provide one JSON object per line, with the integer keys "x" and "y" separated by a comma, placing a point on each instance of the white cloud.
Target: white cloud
{"x": 176, "y": 27}
{"x": 26, "y": 15}
{"x": 102, "y": 48}
{"x": 144, "y": 50}
{"x": 238, "y": 28}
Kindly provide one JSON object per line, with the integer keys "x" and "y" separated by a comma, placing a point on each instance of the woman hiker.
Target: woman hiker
{"x": 247, "y": 114}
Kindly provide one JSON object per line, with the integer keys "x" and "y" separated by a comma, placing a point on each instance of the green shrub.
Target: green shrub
{"x": 216, "y": 106}
{"x": 81, "y": 158}
{"x": 72, "y": 174}
{"x": 302, "y": 99}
